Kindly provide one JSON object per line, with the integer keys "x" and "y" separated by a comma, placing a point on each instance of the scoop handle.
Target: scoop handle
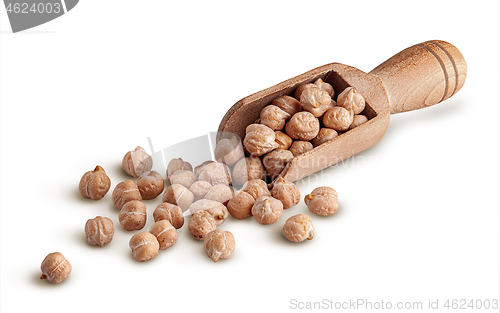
{"x": 422, "y": 75}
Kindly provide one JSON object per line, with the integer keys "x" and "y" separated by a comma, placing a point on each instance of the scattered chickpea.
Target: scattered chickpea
{"x": 358, "y": 120}
{"x": 124, "y": 192}
{"x": 200, "y": 189}
{"x": 216, "y": 173}
{"x": 276, "y": 160}
{"x": 338, "y": 118}
{"x": 350, "y": 99}
{"x": 201, "y": 224}
{"x": 288, "y": 104}
{"x": 150, "y": 185}
{"x": 256, "y": 188}
{"x": 301, "y": 89}
{"x": 220, "y": 193}
{"x": 325, "y": 86}
{"x": 259, "y": 139}
{"x": 300, "y": 147}
{"x": 324, "y": 135}
{"x": 315, "y": 100}
{"x": 199, "y": 168}
{"x": 165, "y": 233}
{"x": 144, "y": 246}
{"x": 322, "y": 201}
{"x": 240, "y": 206}
{"x": 273, "y": 117}
{"x": 55, "y": 268}
{"x": 247, "y": 169}
{"x": 229, "y": 151}
{"x": 99, "y": 231}
{"x": 219, "y": 244}
{"x": 298, "y": 228}
{"x": 184, "y": 177}
{"x": 267, "y": 210}
{"x": 218, "y": 211}
{"x": 137, "y": 162}
{"x": 94, "y": 184}
{"x": 286, "y": 192}
{"x": 303, "y": 126}
{"x": 177, "y": 164}
{"x": 284, "y": 141}
{"x": 133, "y": 215}
{"x": 169, "y": 212}
{"x": 179, "y": 195}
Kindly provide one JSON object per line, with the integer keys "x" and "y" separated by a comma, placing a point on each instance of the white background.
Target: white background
{"x": 419, "y": 212}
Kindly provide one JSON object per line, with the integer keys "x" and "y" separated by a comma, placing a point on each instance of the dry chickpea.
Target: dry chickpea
{"x": 325, "y": 86}
{"x": 315, "y": 101}
{"x": 216, "y": 173}
{"x": 99, "y": 231}
{"x": 200, "y": 189}
{"x": 150, "y": 185}
{"x": 247, "y": 169}
{"x": 94, "y": 184}
{"x": 201, "y": 224}
{"x": 177, "y": 164}
{"x": 55, "y": 268}
{"x": 240, "y": 206}
{"x": 178, "y": 195}
{"x": 350, "y": 99}
{"x": 286, "y": 192}
{"x": 259, "y": 139}
{"x": 302, "y": 126}
{"x": 358, "y": 120}
{"x": 338, "y": 118}
{"x": 199, "y": 168}
{"x": 300, "y": 147}
{"x": 165, "y": 233}
{"x": 220, "y": 193}
{"x": 170, "y": 212}
{"x": 322, "y": 201}
{"x": 229, "y": 151}
{"x": 219, "y": 244}
{"x": 301, "y": 88}
{"x": 216, "y": 209}
{"x": 184, "y": 177}
{"x": 324, "y": 135}
{"x": 144, "y": 246}
{"x": 273, "y": 117}
{"x": 284, "y": 141}
{"x": 267, "y": 210}
{"x": 137, "y": 162}
{"x": 133, "y": 215}
{"x": 275, "y": 161}
{"x": 124, "y": 192}
{"x": 256, "y": 188}
{"x": 298, "y": 228}
{"x": 288, "y": 104}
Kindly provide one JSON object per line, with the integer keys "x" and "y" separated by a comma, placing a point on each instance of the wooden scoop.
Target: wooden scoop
{"x": 415, "y": 78}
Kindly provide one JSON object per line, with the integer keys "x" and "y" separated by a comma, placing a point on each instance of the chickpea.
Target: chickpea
{"x": 350, "y": 99}
{"x": 201, "y": 224}
{"x": 165, "y": 233}
{"x": 177, "y": 164}
{"x": 259, "y": 139}
{"x": 199, "y": 168}
{"x": 303, "y": 126}
{"x": 358, "y": 120}
{"x": 229, "y": 151}
{"x": 315, "y": 100}
{"x": 216, "y": 209}
{"x": 240, "y": 206}
{"x": 301, "y": 88}
{"x": 247, "y": 169}
{"x": 144, "y": 246}
{"x": 55, "y": 268}
{"x": 94, "y": 184}
{"x": 288, "y": 104}
{"x": 219, "y": 244}
{"x": 150, "y": 185}
{"x": 216, "y": 173}
{"x": 133, "y": 215}
{"x": 324, "y": 135}
{"x": 298, "y": 228}
{"x": 284, "y": 141}
{"x": 220, "y": 193}
{"x": 322, "y": 201}
{"x": 170, "y": 212}
{"x": 276, "y": 160}
{"x": 300, "y": 147}
{"x": 325, "y": 86}
{"x": 183, "y": 177}
{"x": 124, "y": 192}
{"x": 273, "y": 117}
{"x": 256, "y": 188}
{"x": 267, "y": 210}
{"x": 286, "y": 192}
{"x": 137, "y": 162}
{"x": 338, "y": 118}
{"x": 178, "y": 195}
{"x": 99, "y": 231}
{"x": 200, "y": 189}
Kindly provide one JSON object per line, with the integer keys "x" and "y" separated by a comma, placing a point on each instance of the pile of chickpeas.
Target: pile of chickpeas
{"x": 233, "y": 184}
